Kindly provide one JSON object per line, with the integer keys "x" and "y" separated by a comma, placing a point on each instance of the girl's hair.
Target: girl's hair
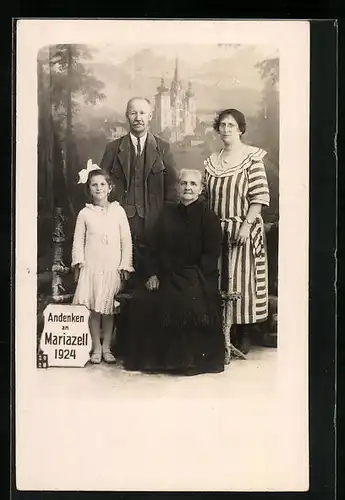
{"x": 94, "y": 173}
{"x": 237, "y": 115}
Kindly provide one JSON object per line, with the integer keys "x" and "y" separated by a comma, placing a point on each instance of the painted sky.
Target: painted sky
{"x": 220, "y": 74}
{"x": 195, "y": 55}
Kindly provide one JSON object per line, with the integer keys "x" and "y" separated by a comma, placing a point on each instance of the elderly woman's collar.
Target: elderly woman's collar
{"x": 190, "y": 207}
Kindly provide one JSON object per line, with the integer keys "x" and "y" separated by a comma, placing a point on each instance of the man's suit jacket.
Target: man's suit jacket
{"x": 159, "y": 174}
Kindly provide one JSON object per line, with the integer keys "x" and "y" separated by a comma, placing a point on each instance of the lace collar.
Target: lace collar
{"x": 97, "y": 208}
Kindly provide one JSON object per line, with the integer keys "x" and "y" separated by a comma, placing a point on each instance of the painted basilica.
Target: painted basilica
{"x": 174, "y": 109}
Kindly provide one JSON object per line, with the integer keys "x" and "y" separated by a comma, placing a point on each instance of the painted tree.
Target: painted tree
{"x": 71, "y": 82}
{"x": 64, "y": 81}
{"x": 166, "y": 134}
{"x": 200, "y": 127}
{"x": 71, "y": 77}
{"x": 268, "y": 133}
{"x": 268, "y": 116}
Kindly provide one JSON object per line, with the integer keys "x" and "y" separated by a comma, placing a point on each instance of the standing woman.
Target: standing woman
{"x": 236, "y": 188}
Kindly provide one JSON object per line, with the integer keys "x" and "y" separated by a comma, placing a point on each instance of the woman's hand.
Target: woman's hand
{"x": 152, "y": 283}
{"x": 243, "y": 234}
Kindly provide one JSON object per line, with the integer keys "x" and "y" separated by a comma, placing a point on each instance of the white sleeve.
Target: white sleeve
{"x": 78, "y": 248}
{"x": 126, "y": 263}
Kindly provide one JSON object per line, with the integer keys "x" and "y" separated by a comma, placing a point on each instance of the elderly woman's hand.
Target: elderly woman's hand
{"x": 243, "y": 234}
{"x": 152, "y": 283}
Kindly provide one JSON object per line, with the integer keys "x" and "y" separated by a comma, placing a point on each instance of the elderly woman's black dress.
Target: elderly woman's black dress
{"x": 178, "y": 328}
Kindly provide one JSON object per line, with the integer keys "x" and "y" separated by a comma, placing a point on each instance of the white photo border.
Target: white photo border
{"x": 292, "y": 40}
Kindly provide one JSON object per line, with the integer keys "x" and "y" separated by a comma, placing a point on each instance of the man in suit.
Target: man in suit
{"x": 143, "y": 170}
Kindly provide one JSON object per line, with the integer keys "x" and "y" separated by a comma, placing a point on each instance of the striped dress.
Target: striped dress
{"x": 243, "y": 269}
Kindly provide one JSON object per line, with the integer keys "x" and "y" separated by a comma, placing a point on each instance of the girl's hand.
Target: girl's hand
{"x": 243, "y": 234}
{"x": 124, "y": 275}
{"x": 76, "y": 273}
{"x": 152, "y": 283}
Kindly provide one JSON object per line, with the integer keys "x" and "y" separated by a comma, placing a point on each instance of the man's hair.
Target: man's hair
{"x": 140, "y": 99}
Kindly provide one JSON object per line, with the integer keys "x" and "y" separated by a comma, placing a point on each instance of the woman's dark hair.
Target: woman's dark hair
{"x": 94, "y": 173}
{"x": 237, "y": 115}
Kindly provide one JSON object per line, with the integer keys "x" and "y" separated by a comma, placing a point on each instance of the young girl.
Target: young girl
{"x": 102, "y": 258}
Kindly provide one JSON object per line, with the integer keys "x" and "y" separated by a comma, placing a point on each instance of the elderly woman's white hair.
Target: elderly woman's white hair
{"x": 192, "y": 171}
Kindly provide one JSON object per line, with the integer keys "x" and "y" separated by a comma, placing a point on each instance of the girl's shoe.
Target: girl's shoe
{"x": 108, "y": 357}
{"x": 96, "y": 358}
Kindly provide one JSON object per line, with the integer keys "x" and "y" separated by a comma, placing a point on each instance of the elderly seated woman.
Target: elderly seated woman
{"x": 175, "y": 322}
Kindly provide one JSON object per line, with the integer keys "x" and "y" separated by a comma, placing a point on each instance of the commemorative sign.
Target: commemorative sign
{"x": 66, "y": 339}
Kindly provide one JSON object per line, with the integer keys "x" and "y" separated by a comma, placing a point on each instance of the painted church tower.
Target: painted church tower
{"x": 162, "y": 112}
{"x": 175, "y": 109}
{"x": 189, "y": 111}
{"x": 177, "y": 105}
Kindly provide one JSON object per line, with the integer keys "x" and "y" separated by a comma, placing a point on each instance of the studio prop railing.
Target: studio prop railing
{"x": 59, "y": 269}
{"x": 228, "y": 300}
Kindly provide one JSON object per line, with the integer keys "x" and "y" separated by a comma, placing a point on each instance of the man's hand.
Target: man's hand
{"x": 152, "y": 283}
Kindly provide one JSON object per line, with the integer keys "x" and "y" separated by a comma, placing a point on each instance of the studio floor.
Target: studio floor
{"x": 255, "y": 374}
{"x": 102, "y": 428}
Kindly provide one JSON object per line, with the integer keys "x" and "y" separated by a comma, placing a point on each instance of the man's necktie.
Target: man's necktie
{"x": 138, "y": 147}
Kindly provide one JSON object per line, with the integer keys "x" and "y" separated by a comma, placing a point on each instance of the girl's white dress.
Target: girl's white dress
{"x": 102, "y": 244}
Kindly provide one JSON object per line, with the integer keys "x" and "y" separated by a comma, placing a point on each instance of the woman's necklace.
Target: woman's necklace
{"x": 231, "y": 156}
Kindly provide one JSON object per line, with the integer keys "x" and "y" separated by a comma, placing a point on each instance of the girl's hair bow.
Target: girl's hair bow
{"x": 83, "y": 174}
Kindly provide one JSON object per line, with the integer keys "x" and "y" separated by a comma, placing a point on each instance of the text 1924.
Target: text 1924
{"x": 64, "y": 354}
